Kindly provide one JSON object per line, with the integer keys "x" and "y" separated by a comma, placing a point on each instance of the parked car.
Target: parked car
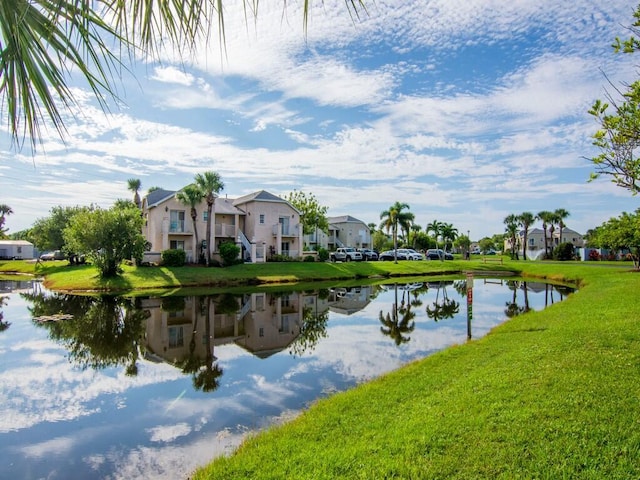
{"x": 55, "y": 255}
{"x": 390, "y": 256}
{"x": 438, "y": 254}
{"x": 368, "y": 254}
{"x": 410, "y": 254}
{"x": 345, "y": 254}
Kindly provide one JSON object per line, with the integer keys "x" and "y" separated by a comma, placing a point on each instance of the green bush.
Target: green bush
{"x": 323, "y": 254}
{"x": 310, "y": 258}
{"x": 564, "y": 251}
{"x": 229, "y": 252}
{"x": 174, "y": 257}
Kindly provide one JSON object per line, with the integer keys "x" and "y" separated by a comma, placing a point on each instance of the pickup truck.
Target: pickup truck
{"x": 345, "y": 254}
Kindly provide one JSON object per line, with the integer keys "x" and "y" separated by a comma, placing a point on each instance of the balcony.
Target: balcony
{"x": 225, "y": 230}
{"x": 180, "y": 228}
{"x": 285, "y": 230}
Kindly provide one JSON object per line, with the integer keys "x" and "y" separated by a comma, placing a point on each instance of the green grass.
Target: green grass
{"x": 61, "y": 277}
{"x": 551, "y": 394}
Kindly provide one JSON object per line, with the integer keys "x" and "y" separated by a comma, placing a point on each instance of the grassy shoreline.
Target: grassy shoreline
{"x": 549, "y": 394}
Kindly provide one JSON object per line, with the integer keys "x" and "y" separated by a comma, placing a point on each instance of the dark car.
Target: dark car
{"x": 438, "y": 254}
{"x": 368, "y": 254}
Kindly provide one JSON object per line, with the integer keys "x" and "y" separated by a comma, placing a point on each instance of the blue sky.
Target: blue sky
{"x": 467, "y": 111}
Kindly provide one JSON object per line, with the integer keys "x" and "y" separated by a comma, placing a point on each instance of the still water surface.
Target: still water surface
{"x": 119, "y": 388}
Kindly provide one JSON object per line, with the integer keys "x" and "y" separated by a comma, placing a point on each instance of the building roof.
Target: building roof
{"x": 261, "y": 196}
{"x": 225, "y": 206}
{"x": 344, "y": 219}
{"x": 158, "y": 196}
{"x": 19, "y": 243}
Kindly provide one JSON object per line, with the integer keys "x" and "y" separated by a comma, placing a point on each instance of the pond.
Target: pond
{"x": 121, "y": 388}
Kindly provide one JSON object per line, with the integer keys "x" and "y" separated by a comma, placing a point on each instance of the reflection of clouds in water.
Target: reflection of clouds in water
{"x": 52, "y": 390}
{"x": 168, "y": 433}
{"x": 61, "y": 445}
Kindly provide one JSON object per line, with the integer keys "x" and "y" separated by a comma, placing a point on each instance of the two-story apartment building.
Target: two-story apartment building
{"x": 261, "y": 223}
{"x": 344, "y": 231}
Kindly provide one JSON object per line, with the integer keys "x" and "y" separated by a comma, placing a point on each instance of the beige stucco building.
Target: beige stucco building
{"x": 344, "y": 231}
{"x": 261, "y": 223}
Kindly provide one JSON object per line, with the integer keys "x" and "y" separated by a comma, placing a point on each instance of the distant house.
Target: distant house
{"x": 16, "y": 249}
{"x": 261, "y": 224}
{"x": 344, "y": 231}
{"x": 535, "y": 239}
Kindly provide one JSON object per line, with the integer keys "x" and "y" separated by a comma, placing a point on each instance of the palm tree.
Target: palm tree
{"x": 209, "y": 184}
{"x": 449, "y": 234}
{"x": 405, "y": 221}
{"x": 511, "y": 222}
{"x": 5, "y": 210}
{"x": 44, "y": 43}
{"x": 436, "y": 228}
{"x": 547, "y": 218}
{"x": 134, "y": 184}
{"x": 415, "y": 228}
{"x": 525, "y": 220}
{"x": 391, "y": 218}
{"x": 191, "y": 196}
{"x": 561, "y": 214}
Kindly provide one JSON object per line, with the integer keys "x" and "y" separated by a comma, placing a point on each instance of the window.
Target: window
{"x": 262, "y": 219}
{"x": 261, "y": 332}
{"x": 176, "y": 244}
{"x": 176, "y": 217}
{"x": 176, "y": 337}
{"x": 532, "y": 241}
{"x": 19, "y": 249}
{"x": 285, "y": 248}
{"x": 205, "y": 215}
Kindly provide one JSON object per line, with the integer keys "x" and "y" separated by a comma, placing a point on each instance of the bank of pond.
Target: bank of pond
{"x": 153, "y": 387}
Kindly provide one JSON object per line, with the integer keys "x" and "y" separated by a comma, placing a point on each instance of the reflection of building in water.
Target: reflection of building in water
{"x": 262, "y": 323}
{"x": 349, "y": 300}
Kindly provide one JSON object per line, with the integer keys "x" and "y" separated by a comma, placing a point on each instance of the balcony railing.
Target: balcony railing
{"x": 225, "y": 230}
{"x": 180, "y": 227}
{"x": 285, "y": 230}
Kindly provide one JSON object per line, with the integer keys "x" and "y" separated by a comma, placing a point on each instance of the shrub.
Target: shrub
{"x": 229, "y": 252}
{"x": 309, "y": 258}
{"x": 174, "y": 257}
{"x": 281, "y": 258}
{"x": 564, "y": 251}
{"x": 323, "y": 254}
{"x": 594, "y": 255}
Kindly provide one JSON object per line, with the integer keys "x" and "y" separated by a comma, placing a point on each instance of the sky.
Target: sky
{"x": 467, "y": 111}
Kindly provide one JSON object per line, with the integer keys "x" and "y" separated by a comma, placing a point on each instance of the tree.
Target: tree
{"x": 313, "y": 216}
{"x": 391, "y": 218}
{"x": 106, "y": 237}
{"x": 133, "y": 185}
{"x": 434, "y": 227}
{"x": 209, "y": 184}
{"x": 546, "y": 218}
{"x": 561, "y": 214}
{"x": 619, "y": 233}
{"x": 449, "y": 233}
{"x": 44, "y": 43}
{"x": 619, "y": 134}
{"x": 511, "y": 222}
{"x": 191, "y": 196}
{"x": 5, "y": 210}
{"x": 525, "y": 220}
{"x": 47, "y": 233}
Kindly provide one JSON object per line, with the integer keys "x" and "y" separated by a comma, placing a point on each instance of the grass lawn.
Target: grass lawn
{"x": 550, "y": 394}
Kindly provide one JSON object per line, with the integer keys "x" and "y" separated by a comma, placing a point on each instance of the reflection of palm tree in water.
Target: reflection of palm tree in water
{"x": 394, "y": 326}
{"x": 205, "y": 373}
{"x": 443, "y": 308}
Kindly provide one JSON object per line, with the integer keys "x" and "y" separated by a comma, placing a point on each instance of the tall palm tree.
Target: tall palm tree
{"x": 134, "y": 184}
{"x": 511, "y": 222}
{"x": 449, "y": 234}
{"x": 525, "y": 220}
{"x": 546, "y": 217}
{"x": 5, "y": 210}
{"x": 191, "y": 196}
{"x": 405, "y": 221}
{"x": 44, "y": 43}
{"x": 415, "y": 229}
{"x": 561, "y": 214}
{"x": 434, "y": 227}
{"x": 390, "y": 221}
{"x": 209, "y": 184}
